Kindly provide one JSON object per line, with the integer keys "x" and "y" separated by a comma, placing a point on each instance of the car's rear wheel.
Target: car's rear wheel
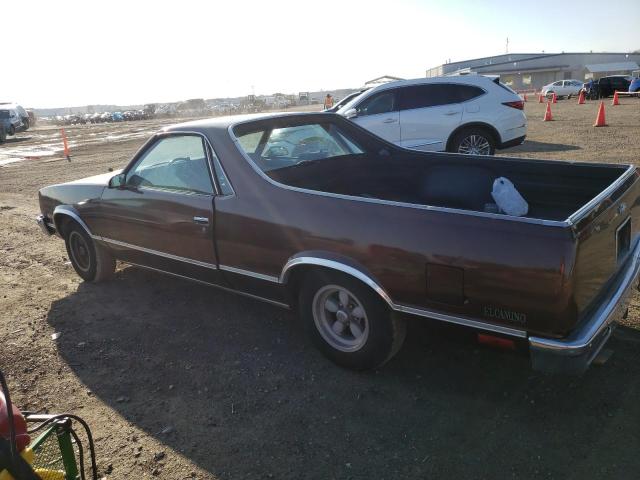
{"x": 94, "y": 263}
{"x": 348, "y": 322}
{"x": 474, "y": 141}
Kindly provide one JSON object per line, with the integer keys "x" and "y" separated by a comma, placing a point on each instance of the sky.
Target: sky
{"x": 74, "y": 53}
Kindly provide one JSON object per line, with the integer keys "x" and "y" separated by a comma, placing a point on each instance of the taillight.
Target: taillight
{"x": 519, "y": 104}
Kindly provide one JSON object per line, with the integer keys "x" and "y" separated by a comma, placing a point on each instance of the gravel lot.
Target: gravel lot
{"x": 181, "y": 381}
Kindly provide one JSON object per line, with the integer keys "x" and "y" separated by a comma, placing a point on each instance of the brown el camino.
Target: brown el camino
{"x": 313, "y": 212}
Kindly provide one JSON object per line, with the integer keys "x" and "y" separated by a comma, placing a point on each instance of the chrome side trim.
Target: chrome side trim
{"x": 70, "y": 212}
{"x": 323, "y": 262}
{"x": 467, "y": 322}
{"x": 495, "y": 216}
{"x": 421, "y": 312}
{"x": 160, "y": 254}
{"x": 226, "y": 289}
{"x": 248, "y": 273}
{"x": 434, "y": 142}
{"x": 585, "y": 209}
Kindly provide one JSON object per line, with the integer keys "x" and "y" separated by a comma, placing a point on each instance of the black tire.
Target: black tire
{"x": 26, "y": 124}
{"x": 12, "y": 130}
{"x": 3, "y": 134}
{"x": 463, "y": 137}
{"x": 385, "y": 331}
{"x": 92, "y": 262}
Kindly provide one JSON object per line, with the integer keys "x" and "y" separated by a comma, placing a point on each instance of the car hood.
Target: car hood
{"x": 102, "y": 179}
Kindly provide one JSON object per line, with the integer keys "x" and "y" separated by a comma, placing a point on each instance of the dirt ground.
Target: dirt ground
{"x": 178, "y": 380}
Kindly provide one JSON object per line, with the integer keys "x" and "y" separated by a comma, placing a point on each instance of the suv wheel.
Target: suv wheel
{"x": 474, "y": 141}
{"x": 12, "y": 130}
{"x": 348, "y": 322}
{"x": 94, "y": 263}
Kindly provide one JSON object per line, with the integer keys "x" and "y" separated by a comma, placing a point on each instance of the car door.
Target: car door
{"x": 162, "y": 214}
{"x": 428, "y": 115}
{"x": 378, "y": 113}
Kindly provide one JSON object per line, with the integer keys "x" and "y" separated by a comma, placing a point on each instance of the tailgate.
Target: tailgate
{"x": 606, "y": 230}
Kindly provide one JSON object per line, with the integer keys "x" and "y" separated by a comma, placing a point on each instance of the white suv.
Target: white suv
{"x": 470, "y": 114}
{"x": 563, "y": 88}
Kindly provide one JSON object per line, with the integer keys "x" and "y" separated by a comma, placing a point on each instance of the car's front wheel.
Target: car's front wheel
{"x": 474, "y": 141}
{"x": 94, "y": 263}
{"x": 349, "y": 323}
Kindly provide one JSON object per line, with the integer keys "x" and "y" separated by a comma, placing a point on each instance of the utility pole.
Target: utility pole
{"x": 507, "y": 46}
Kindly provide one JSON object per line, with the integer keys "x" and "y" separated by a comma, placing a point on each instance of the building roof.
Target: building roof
{"x": 382, "y": 79}
{"x": 612, "y": 67}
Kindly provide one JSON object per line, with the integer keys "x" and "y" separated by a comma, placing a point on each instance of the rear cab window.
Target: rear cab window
{"x": 273, "y": 149}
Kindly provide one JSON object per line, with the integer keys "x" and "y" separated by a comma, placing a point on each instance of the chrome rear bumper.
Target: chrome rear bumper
{"x": 574, "y": 353}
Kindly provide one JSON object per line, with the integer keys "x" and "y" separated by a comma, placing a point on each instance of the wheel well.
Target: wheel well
{"x": 62, "y": 224}
{"x": 486, "y": 126}
{"x": 297, "y": 274}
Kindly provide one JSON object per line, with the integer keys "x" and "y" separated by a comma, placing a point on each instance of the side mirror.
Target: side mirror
{"x": 118, "y": 181}
{"x": 351, "y": 113}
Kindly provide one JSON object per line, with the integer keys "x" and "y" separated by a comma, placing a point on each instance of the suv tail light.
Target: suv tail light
{"x": 519, "y": 104}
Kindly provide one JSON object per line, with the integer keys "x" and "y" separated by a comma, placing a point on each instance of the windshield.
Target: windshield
{"x": 4, "y": 114}
{"x": 346, "y": 100}
{"x": 278, "y": 148}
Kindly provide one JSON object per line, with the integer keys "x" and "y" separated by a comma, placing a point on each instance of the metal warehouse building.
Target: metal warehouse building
{"x": 525, "y": 71}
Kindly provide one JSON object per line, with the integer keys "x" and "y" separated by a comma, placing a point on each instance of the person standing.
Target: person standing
{"x": 328, "y": 101}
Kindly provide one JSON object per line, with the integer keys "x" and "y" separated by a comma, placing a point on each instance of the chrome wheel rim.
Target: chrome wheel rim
{"x": 80, "y": 252}
{"x": 340, "y": 318}
{"x": 475, "y": 145}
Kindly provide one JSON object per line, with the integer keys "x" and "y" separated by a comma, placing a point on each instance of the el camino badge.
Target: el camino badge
{"x": 504, "y": 314}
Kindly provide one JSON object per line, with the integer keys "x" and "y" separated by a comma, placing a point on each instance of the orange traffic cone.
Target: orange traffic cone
{"x": 547, "y": 114}
{"x": 581, "y": 98}
{"x": 554, "y": 99}
{"x": 540, "y": 99}
{"x": 65, "y": 145}
{"x": 600, "y": 121}
{"x": 616, "y": 101}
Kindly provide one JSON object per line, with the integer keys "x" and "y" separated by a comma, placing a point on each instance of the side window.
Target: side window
{"x": 381, "y": 103}
{"x": 250, "y": 142}
{"x": 176, "y": 163}
{"x": 557, "y": 84}
{"x": 467, "y": 92}
{"x": 421, "y": 96}
{"x": 223, "y": 181}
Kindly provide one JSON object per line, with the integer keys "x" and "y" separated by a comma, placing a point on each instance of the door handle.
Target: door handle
{"x": 201, "y": 220}
{"x": 389, "y": 120}
{"x": 452, "y": 112}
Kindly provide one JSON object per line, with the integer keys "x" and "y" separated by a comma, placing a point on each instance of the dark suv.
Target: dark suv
{"x": 608, "y": 85}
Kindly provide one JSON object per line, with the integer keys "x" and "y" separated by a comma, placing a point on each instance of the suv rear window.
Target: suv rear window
{"x": 421, "y": 96}
{"x": 500, "y": 84}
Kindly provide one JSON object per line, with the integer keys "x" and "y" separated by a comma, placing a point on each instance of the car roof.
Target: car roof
{"x": 223, "y": 123}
